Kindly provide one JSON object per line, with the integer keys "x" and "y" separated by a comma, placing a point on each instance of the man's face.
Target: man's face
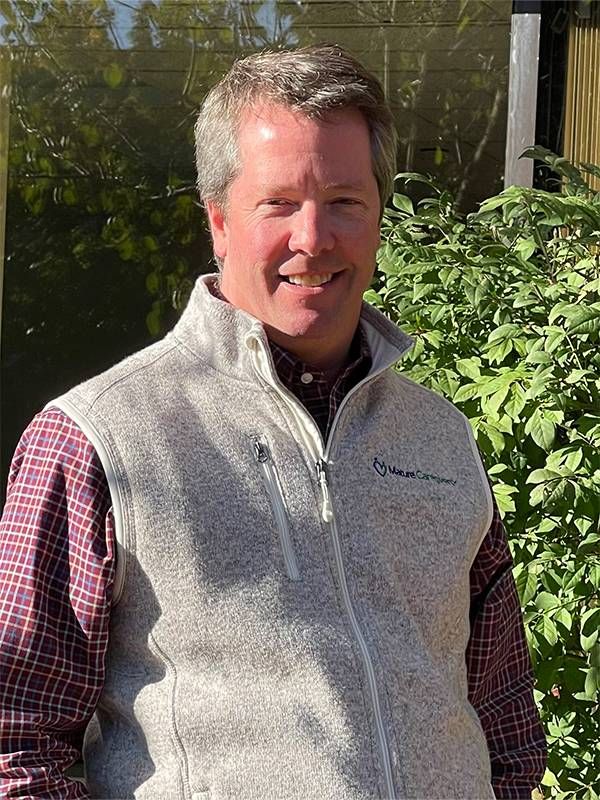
{"x": 301, "y": 228}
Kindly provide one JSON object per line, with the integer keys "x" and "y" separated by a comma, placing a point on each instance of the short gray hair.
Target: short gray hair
{"x": 313, "y": 80}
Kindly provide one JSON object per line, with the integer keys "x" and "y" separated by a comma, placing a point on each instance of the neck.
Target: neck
{"x": 313, "y": 353}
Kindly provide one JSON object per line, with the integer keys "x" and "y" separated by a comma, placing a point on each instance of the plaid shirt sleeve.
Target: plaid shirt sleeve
{"x": 56, "y": 572}
{"x": 500, "y": 674}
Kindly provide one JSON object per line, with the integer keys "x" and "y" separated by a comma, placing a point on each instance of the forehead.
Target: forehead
{"x": 273, "y": 136}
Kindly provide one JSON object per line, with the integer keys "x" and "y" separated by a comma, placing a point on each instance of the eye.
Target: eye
{"x": 346, "y": 201}
{"x": 277, "y": 201}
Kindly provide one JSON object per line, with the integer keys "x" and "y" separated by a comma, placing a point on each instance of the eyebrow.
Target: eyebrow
{"x": 328, "y": 187}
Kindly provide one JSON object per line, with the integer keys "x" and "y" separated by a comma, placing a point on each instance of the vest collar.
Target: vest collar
{"x": 224, "y": 336}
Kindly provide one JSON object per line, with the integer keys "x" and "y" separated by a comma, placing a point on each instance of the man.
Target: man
{"x": 269, "y": 563}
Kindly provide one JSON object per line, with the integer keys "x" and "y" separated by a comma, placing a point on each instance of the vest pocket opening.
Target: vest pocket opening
{"x": 272, "y": 483}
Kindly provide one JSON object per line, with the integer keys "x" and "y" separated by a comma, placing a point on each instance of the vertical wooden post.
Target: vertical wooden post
{"x": 522, "y": 92}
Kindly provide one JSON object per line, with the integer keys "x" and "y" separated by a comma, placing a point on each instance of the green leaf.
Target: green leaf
{"x": 558, "y": 311}
{"x": 403, "y": 202}
{"x": 577, "y": 375}
{"x": 371, "y": 296}
{"x": 574, "y": 459}
{"x": 507, "y": 331}
{"x": 495, "y": 436}
{"x": 564, "y": 617}
{"x": 526, "y": 583}
{"x": 153, "y": 322}
{"x": 554, "y": 339}
{"x": 590, "y": 628}
{"x": 516, "y": 402}
{"x": 592, "y": 682}
{"x": 469, "y": 368}
{"x": 493, "y": 403}
{"x": 498, "y": 352}
{"x": 538, "y": 357}
{"x": 494, "y": 202}
{"x": 504, "y": 501}
{"x": 150, "y": 243}
{"x": 438, "y": 313}
{"x": 541, "y": 429}
{"x": 572, "y": 579}
{"x": 591, "y": 540}
{"x": 465, "y": 392}
{"x": 541, "y": 475}
{"x": 545, "y": 601}
{"x": 547, "y": 629}
{"x": 415, "y": 177}
{"x": 421, "y": 290}
{"x": 536, "y": 496}
{"x": 488, "y": 386}
{"x": 585, "y": 320}
{"x": 152, "y": 282}
{"x": 550, "y": 779}
{"x": 587, "y": 642}
{"x": 526, "y": 248}
{"x": 113, "y": 75}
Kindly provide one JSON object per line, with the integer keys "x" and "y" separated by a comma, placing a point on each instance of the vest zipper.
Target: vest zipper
{"x": 273, "y": 485}
{"x": 328, "y": 516}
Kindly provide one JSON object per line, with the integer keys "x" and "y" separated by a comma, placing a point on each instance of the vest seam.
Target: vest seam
{"x": 487, "y": 490}
{"x": 187, "y": 351}
{"x": 101, "y": 440}
{"x": 183, "y": 761}
{"x": 129, "y": 374}
{"x": 125, "y": 496}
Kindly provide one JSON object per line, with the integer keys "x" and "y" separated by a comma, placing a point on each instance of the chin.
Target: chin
{"x": 309, "y": 328}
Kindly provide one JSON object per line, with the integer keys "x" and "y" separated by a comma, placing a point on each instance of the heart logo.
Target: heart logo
{"x": 380, "y": 467}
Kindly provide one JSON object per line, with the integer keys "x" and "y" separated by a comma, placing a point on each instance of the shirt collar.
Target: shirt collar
{"x": 292, "y": 371}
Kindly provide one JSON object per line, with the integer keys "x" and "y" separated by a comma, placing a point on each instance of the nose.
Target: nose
{"x": 311, "y": 232}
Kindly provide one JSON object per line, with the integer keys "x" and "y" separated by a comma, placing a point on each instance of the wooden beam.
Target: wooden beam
{"x": 522, "y": 97}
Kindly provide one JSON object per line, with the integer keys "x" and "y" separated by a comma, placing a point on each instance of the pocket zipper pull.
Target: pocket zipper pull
{"x": 261, "y": 454}
{"x": 326, "y": 507}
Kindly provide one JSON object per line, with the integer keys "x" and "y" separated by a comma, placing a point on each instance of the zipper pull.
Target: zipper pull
{"x": 326, "y": 508}
{"x": 261, "y": 453}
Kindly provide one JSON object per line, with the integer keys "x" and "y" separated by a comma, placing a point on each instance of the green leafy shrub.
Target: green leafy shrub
{"x": 504, "y": 307}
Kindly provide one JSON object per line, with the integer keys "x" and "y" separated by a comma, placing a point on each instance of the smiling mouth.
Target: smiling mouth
{"x": 309, "y": 280}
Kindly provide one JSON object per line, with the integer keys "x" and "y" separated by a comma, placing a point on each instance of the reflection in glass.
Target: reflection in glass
{"x": 104, "y": 234}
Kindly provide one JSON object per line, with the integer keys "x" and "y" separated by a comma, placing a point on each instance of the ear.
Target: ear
{"x": 218, "y": 228}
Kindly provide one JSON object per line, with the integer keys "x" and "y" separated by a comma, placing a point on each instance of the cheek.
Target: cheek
{"x": 268, "y": 239}
{"x": 361, "y": 239}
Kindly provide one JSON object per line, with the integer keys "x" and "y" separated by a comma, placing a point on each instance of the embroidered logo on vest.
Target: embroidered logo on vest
{"x": 383, "y": 470}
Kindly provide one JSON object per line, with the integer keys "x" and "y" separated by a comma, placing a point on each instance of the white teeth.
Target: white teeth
{"x": 310, "y": 280}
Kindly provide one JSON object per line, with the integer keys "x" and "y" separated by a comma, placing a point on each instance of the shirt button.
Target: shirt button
{"x": 306, "y": 377}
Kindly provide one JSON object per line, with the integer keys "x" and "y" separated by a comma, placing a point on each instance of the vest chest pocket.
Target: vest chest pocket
{"x": 272, "y": 483}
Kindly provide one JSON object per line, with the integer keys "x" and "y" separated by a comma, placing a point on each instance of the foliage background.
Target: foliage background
{"x": 504, "y": 307}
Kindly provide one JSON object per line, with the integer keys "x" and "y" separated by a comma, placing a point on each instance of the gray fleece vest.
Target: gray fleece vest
{"x": 290, "y": 615}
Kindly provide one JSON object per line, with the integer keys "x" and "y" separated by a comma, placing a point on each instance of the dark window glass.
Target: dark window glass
{"x": 103, "y": 233}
